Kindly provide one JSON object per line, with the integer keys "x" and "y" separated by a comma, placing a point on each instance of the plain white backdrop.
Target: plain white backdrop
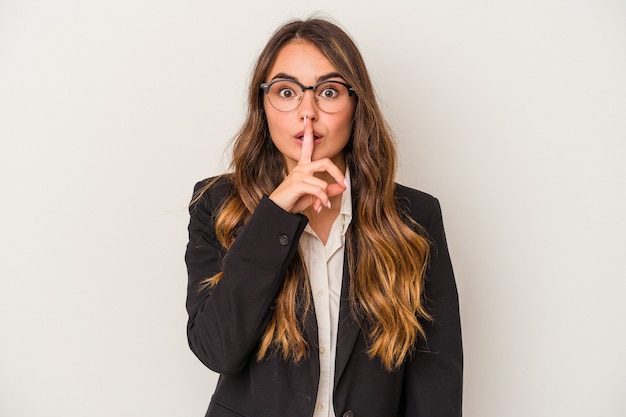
{"x": 513, "y": 113}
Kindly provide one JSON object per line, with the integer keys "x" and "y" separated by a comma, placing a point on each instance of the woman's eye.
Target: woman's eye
{"x": 286, "y": 93}
{"x": 329, "y": 93}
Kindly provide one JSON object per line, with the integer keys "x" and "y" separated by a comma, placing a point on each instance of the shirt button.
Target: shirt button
{"x": 323, "y": 351}
{"x": 319, "y": 406}
{"x": 348, "y": 413}
{"x": 319, "y": 293}
{"x": 283, "y": 240}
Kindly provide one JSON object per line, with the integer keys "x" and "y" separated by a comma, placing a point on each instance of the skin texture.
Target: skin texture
{"x": 310, "y": 140}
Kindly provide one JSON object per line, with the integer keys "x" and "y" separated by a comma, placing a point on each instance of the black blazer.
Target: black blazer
{"x": 226, "y": 324}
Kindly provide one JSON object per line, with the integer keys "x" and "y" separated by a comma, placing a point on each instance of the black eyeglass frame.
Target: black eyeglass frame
{"x": 266, "y": 87}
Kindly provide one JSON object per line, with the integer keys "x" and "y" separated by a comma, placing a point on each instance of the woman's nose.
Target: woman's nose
{"x": 307, "y": 105}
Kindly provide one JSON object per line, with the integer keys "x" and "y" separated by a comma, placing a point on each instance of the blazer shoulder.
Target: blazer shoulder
{"x": 212, "y": 191}
{"x": 413, "y": 194}
{"x": 418, "y": 204}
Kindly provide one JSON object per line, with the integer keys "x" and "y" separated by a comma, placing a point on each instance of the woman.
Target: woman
{"x": 318, "y": 286}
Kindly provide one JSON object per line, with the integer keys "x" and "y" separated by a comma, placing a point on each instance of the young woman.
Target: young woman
{"x": 317, "y": 285}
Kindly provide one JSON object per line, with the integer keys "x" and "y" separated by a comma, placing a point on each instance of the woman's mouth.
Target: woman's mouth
{"x": 316, "y": 136}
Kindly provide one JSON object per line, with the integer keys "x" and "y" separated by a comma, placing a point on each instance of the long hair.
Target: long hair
{"x": 387, "y": 252}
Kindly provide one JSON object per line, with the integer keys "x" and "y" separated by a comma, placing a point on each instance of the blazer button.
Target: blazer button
{"x": 348, "y": 413}
{"x": 283, "y": 240}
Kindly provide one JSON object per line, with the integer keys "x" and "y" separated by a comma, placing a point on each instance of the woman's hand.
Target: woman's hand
{"x": 301, "y": 188}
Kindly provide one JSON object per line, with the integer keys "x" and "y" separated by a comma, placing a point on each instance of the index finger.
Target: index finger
{"x": 307, "y": 143}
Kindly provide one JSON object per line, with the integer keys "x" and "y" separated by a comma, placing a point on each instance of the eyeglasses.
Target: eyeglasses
{"x": 286, "y": 95}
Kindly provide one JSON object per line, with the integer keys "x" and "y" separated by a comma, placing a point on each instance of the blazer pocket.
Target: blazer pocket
{"x": 217, "y": 409}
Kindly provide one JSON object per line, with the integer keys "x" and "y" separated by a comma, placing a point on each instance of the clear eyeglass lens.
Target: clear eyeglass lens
{"x": 330, "y": 96}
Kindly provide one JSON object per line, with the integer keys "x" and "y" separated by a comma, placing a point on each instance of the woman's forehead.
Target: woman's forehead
{"x": 301, "y": 60}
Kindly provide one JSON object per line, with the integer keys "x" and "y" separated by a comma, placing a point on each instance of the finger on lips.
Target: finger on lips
{"x": 307, "y": 143}
{"x": 317, "y": 191}
{"x": 306, "y": 155}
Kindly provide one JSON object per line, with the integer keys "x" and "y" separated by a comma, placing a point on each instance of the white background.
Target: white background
{"x": 511, "y": 112}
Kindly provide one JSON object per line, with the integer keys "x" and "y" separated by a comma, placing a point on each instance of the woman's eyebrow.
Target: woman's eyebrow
{"x": 282, "y": 75}
{"x": 329, "y": 76}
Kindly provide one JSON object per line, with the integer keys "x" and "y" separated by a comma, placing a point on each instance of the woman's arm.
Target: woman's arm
{"x": 226, "y": 322}
{"x": 434, "y": 376}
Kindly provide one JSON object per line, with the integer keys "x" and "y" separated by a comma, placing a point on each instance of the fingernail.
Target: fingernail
{"x": 346, "y": 183}
{"x": 328, "y": 205}
{"x": 319, "y": 210}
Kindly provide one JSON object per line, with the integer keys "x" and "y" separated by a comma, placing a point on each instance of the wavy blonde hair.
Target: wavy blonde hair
{"x": 387, "y": 251}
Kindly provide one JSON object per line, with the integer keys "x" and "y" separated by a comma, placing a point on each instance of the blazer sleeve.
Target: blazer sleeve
{"x": 227, "y": 321}
{"x": 434, "y": 376}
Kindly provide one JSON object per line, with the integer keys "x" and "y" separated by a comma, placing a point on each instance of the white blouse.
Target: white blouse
{"x": 325, "y": 267}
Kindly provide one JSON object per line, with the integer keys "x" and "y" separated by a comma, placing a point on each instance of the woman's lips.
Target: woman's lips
{"x": 316, "y": 136}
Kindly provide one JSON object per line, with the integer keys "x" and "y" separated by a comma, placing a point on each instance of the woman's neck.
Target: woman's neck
{"x": 322, "y": 222}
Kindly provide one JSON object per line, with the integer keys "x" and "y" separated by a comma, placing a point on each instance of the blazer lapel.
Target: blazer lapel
{"x": 311, "y": 366}
{"x": 310, "y": 330}
{"x": 348, "y": 329}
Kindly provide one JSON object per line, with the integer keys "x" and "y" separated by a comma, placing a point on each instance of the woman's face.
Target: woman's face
{"x": 302, "y": 61}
